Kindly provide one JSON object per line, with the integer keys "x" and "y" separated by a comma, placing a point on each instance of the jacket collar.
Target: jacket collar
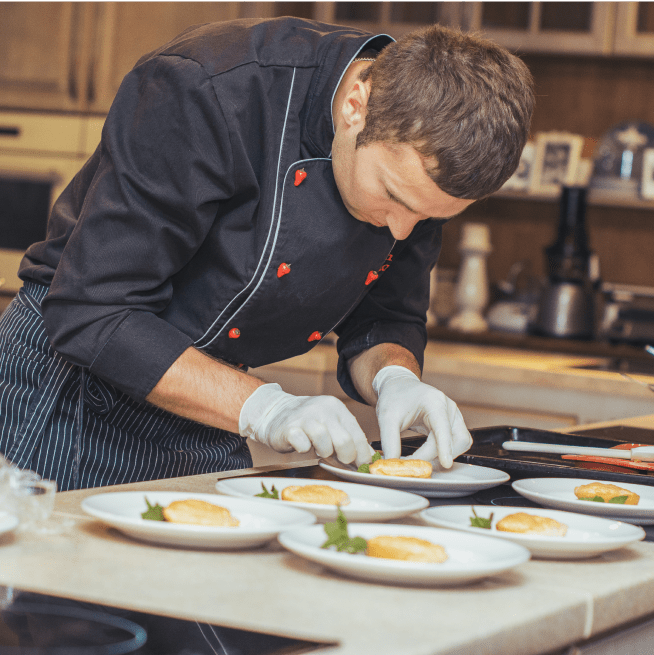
{"x": 318, "y": 126}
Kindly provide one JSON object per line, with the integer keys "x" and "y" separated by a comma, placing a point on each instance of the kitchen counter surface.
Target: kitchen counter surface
{"x": 496, "y": 362}
{"x": 539, "y": 607}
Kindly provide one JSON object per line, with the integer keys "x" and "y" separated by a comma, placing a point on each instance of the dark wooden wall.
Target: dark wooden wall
{"x": 587, "y": 96}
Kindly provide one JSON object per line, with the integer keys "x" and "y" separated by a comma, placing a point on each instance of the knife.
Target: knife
{"x": 641, "y": 453}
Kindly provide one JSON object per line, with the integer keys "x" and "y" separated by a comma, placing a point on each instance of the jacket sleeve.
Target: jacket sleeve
{"x": 164, "y": 166}
{"x": 395, "y": 310}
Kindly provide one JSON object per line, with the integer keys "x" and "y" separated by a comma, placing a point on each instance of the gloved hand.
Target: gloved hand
{"x": 406, "y": 403}
{"x": 285, "y": 423}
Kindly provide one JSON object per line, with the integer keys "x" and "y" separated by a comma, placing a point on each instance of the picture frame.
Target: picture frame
{"x": 555, "y": 162}
{"x": 520, "y": 180}
{"x": 647, "y": 180}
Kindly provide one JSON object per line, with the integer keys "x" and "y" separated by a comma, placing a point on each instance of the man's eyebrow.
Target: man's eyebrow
{"x": 400, "y": 202}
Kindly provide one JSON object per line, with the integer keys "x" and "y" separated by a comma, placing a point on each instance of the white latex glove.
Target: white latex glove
{"x": 406, "y": 403}
{"x": 285, "y": 423}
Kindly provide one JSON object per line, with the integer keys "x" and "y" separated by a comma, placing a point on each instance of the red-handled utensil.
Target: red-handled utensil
{"x": 639, "y": 454}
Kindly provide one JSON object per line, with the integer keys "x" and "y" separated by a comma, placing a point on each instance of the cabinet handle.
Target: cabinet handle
{"x": 7, "y": 130}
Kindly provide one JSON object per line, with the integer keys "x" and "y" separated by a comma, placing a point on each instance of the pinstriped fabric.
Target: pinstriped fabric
{"x": 117, "y": 440}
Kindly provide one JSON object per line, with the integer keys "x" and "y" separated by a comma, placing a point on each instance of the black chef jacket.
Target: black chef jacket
{"x": 208, "y": 216}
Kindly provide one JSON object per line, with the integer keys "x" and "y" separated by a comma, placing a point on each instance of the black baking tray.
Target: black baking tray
{"x": 487, "y": 451}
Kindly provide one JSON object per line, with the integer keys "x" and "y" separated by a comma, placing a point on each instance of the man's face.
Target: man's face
{"x": 387, "y": 186}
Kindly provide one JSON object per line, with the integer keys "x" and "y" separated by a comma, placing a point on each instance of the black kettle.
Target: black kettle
{"x": 567, "y": 306}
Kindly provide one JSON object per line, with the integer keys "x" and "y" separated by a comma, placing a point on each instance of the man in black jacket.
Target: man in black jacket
{"x": 258, "y": 185}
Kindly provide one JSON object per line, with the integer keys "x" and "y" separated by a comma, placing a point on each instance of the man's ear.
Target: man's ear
{"x": 355, "y": 103}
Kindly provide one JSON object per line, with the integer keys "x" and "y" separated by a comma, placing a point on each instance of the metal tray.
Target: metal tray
{"x": 487, "y": 451}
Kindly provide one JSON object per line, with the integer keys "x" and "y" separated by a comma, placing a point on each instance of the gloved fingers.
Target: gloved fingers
{"x": 343, "y": 442}
{"x": 363, "y": 452}
{"x": 462, "y": 439}
{"x": 298, "y": 440}
{"x": 320, "y": 435}
{"x": 390, "y": 439}
{"x": 439, "y": 425}
{"x": 427, "y": 451}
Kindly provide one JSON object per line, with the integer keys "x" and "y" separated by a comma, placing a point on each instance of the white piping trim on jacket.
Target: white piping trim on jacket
{"x": 265, "y": 248}
{"x": 272, "y": 248}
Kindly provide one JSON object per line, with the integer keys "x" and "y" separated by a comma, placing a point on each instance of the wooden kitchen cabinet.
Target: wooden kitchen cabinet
{"x": 43, "y": 48}
{"x": 557, "y": 27}
{"x": 634, "y": 32}
{"x": 72, "y": 56}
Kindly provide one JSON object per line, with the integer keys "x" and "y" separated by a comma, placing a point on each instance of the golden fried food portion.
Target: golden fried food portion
{"x": 199, "y": 512}
{"x": 605, "y": 491}
{"x": 407, "y": 549}
{"x": 320, "y": 494}
{"x": 405, "y": 468}
{"x": 524, "y": 523}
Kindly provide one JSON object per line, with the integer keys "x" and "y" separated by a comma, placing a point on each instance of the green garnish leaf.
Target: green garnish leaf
{"x": 154, "y": 512}
{"x": 595, "y": 499}
{"x": 480, "y": 521}
{"x": 273, "y": 493}
{"x": 365, "y": 468}
{"x": 619, "y": 500}
{"x": 337, "y": 536}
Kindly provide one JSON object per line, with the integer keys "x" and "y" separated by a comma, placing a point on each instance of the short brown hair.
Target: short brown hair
{"x": 458, "y": 99}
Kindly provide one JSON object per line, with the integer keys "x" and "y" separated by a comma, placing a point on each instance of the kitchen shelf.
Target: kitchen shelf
{"x": 594, "y": 200}
{"x": 580, "y": 347}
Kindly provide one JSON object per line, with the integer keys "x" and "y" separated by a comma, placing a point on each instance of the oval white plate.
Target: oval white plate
{"x": 559, "y": 493}
{"x": 470, "y": 557}
{"x": 460, "y": 480}
{"x": 587, "y": 536}
{"x": 366, "y": 503}
{"x": 259, "y": 524}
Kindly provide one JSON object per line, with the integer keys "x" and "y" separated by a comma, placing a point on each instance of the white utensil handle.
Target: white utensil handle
{"x": 525, "y": 446}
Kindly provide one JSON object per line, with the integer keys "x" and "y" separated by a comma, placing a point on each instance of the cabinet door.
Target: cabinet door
{"x": 43, "y": 46}
{"x": 561, "y": 27}
{"x": 393, "y": 18}
{"x": 124, "y": 31}
{"x": 634, "y": 32}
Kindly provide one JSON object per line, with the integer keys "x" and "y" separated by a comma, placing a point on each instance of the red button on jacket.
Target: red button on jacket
{"x": 372, "y": 276}
{"x": 299, "y": 176}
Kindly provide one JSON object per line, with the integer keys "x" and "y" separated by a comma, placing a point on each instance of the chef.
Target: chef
{"x": 258, "y": 186}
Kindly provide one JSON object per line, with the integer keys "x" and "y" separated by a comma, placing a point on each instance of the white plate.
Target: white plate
{"x": 560, "y": 494}
{"x": 259, "y": 524}
{"x": 7, "y": 522}
{"x": 587, "y": 536}
{"x": 470, "y": 557}
{"x": 366, "y": 503}
{"x": 460, "y": 480}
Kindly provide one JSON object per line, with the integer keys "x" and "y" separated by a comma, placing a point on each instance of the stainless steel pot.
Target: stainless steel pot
{"x": 566, "y": 309}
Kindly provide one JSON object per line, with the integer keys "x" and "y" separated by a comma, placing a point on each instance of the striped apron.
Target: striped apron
{"x": 70, "y": 426}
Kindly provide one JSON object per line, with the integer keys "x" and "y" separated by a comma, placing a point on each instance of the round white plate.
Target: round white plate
{"x": 587, "y": 536}
{"x": 366, "y": 503}
{"x": 559, "y": 493}
{"x": 460, "y": 480}
{"x": 8, "y": 522}
{"x": 259, "y": 524}
{"x": 470, "y": 557}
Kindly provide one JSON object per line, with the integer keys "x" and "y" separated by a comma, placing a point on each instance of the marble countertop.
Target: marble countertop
{"x": 539, "y": 607}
